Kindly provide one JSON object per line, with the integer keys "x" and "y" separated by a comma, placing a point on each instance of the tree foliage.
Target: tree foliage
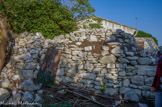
{"x": 80, "y": 8}
{"x": 48, "y": 17}
{"x": 144, "y": 34}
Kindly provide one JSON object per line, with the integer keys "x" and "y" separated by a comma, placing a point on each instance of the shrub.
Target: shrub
{"x": 48, "y": 17}
{"x": 144, "y": 34}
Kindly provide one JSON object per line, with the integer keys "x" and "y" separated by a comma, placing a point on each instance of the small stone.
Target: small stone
{"x": 132, "y": 58}
{"x": 105, "y": 48}
{"x": 4, "y": 94}
{"x": 104, "y": 53}
{"x": 117, "y": 50}
{"x": 108, "y": 59}
{"x": 17, "y": 97}
{"x": 144, "y": 61}
{"x": 142, "y": 105}
{"x": 110, "y": 91}
{"x": 88, "y": 48}
{"x": 30, "y": 86}
{"x": 78, "y": 43}
{"x": 129, "y": 53}
{"x": 40, "y": 91}
{"x": 16, "y": 77}
{"x": 28, "y": 97}
{"x": 104, "y": 71}
{"x": 123, "y": 60}
{"x": 37, "y": 98}
{"x": 110, "y": 65}
{"x": 137, "y": 80}
{"x": 93, "y": 38}
{"x": 60, "y": 72}
{"x": 5, "y": 83}
{"x": 26, "y": 74}
{"x": 126, "y": 82}
{"x": 122, "y": 73}
{"x": 131, "y": 96}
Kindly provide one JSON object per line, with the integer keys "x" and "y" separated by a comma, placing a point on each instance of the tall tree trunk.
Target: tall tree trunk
{"x": 4, "y": 42}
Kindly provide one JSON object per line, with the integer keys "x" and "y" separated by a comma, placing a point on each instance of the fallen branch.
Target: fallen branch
{"x": 77, "y": 94}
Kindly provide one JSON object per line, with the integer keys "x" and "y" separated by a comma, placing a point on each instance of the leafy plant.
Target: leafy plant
{"x": 96, "y": 25}
{"x": 144, "y": 34}
{"x": 103, "y": 87}
{"x": 46, "y": 16}
{"x": 45, "y": 78}
{"x": 0, "y": 37}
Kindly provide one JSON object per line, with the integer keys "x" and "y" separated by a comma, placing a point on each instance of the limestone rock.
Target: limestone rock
{"x": 110, "y": 65}
{"x": 93, "y": 38}
{"x": 138, "y": 80}
{"x": 131, "y": 96}
{"x": 123, "y": 60}
{"x": 28, "y": 97}
{"x": 5, "y": 83}
{"x": 88, "y": 76}
{"x": 123, "y": 90}
{"x": 144, "y": 61}
{"x": 110, "y": 91}
{"x": 132, "y": 58}
{"x": 129, "y": 53}
{"x": 4, "y": 94}
{"x": 142, "y": 105}
{"x": 105, "y": 48}
{"x": 88, "y": 48}
{"x": 126, "y": 82}
{"x": 28, "y": 85}
{"x": 26, "y": 74}
{"x": 117, "y": 50}
{"x": 108, "y": 59}
{"x": 60, "y": 72}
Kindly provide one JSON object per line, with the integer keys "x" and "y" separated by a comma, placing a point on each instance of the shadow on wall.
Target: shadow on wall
{"x": 84, "y": 66}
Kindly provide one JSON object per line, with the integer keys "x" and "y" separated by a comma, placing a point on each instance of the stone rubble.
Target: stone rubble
{"x": 89, "y": 59}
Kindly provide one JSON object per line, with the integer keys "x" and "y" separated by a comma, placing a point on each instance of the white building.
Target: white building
{"x": 105, "y": 24}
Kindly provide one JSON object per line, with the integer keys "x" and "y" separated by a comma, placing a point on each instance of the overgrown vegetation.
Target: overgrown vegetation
{"x": 144, "y": 34}
{"x": 103, "y": 87}
{"x": 50, "y": 17}
{"x": 96, "y": 25}
{"x": 160, "y": 47}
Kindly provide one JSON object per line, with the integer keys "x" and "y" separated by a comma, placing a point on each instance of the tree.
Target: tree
{"x": 144, "y": 34}
{"x": 4, "y": 40}
{"x": 80, "y": 8}
{"x": 50, "y": 17}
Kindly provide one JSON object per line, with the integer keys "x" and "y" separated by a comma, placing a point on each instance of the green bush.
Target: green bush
{"x": 144, "y": 34}
{"x": 48, "y": 17}
{"x": 96, "y": 25}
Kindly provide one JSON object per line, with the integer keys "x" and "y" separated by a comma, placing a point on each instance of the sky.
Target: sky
{"x": 148, "y": 12}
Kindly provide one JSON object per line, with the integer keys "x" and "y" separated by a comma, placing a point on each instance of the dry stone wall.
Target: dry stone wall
{"x": 90, "y": 58}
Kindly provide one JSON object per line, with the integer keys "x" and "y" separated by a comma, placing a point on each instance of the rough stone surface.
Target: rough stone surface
{"x": 131, "y": 96}
{"x": 89, "y": 58}
{"x": 108, "y": 59}
{"x": 30, "y": 86}
{"x": 28, "y": 97}
{"x": 144, "y": 61}
{"x": 4, "y": 94}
